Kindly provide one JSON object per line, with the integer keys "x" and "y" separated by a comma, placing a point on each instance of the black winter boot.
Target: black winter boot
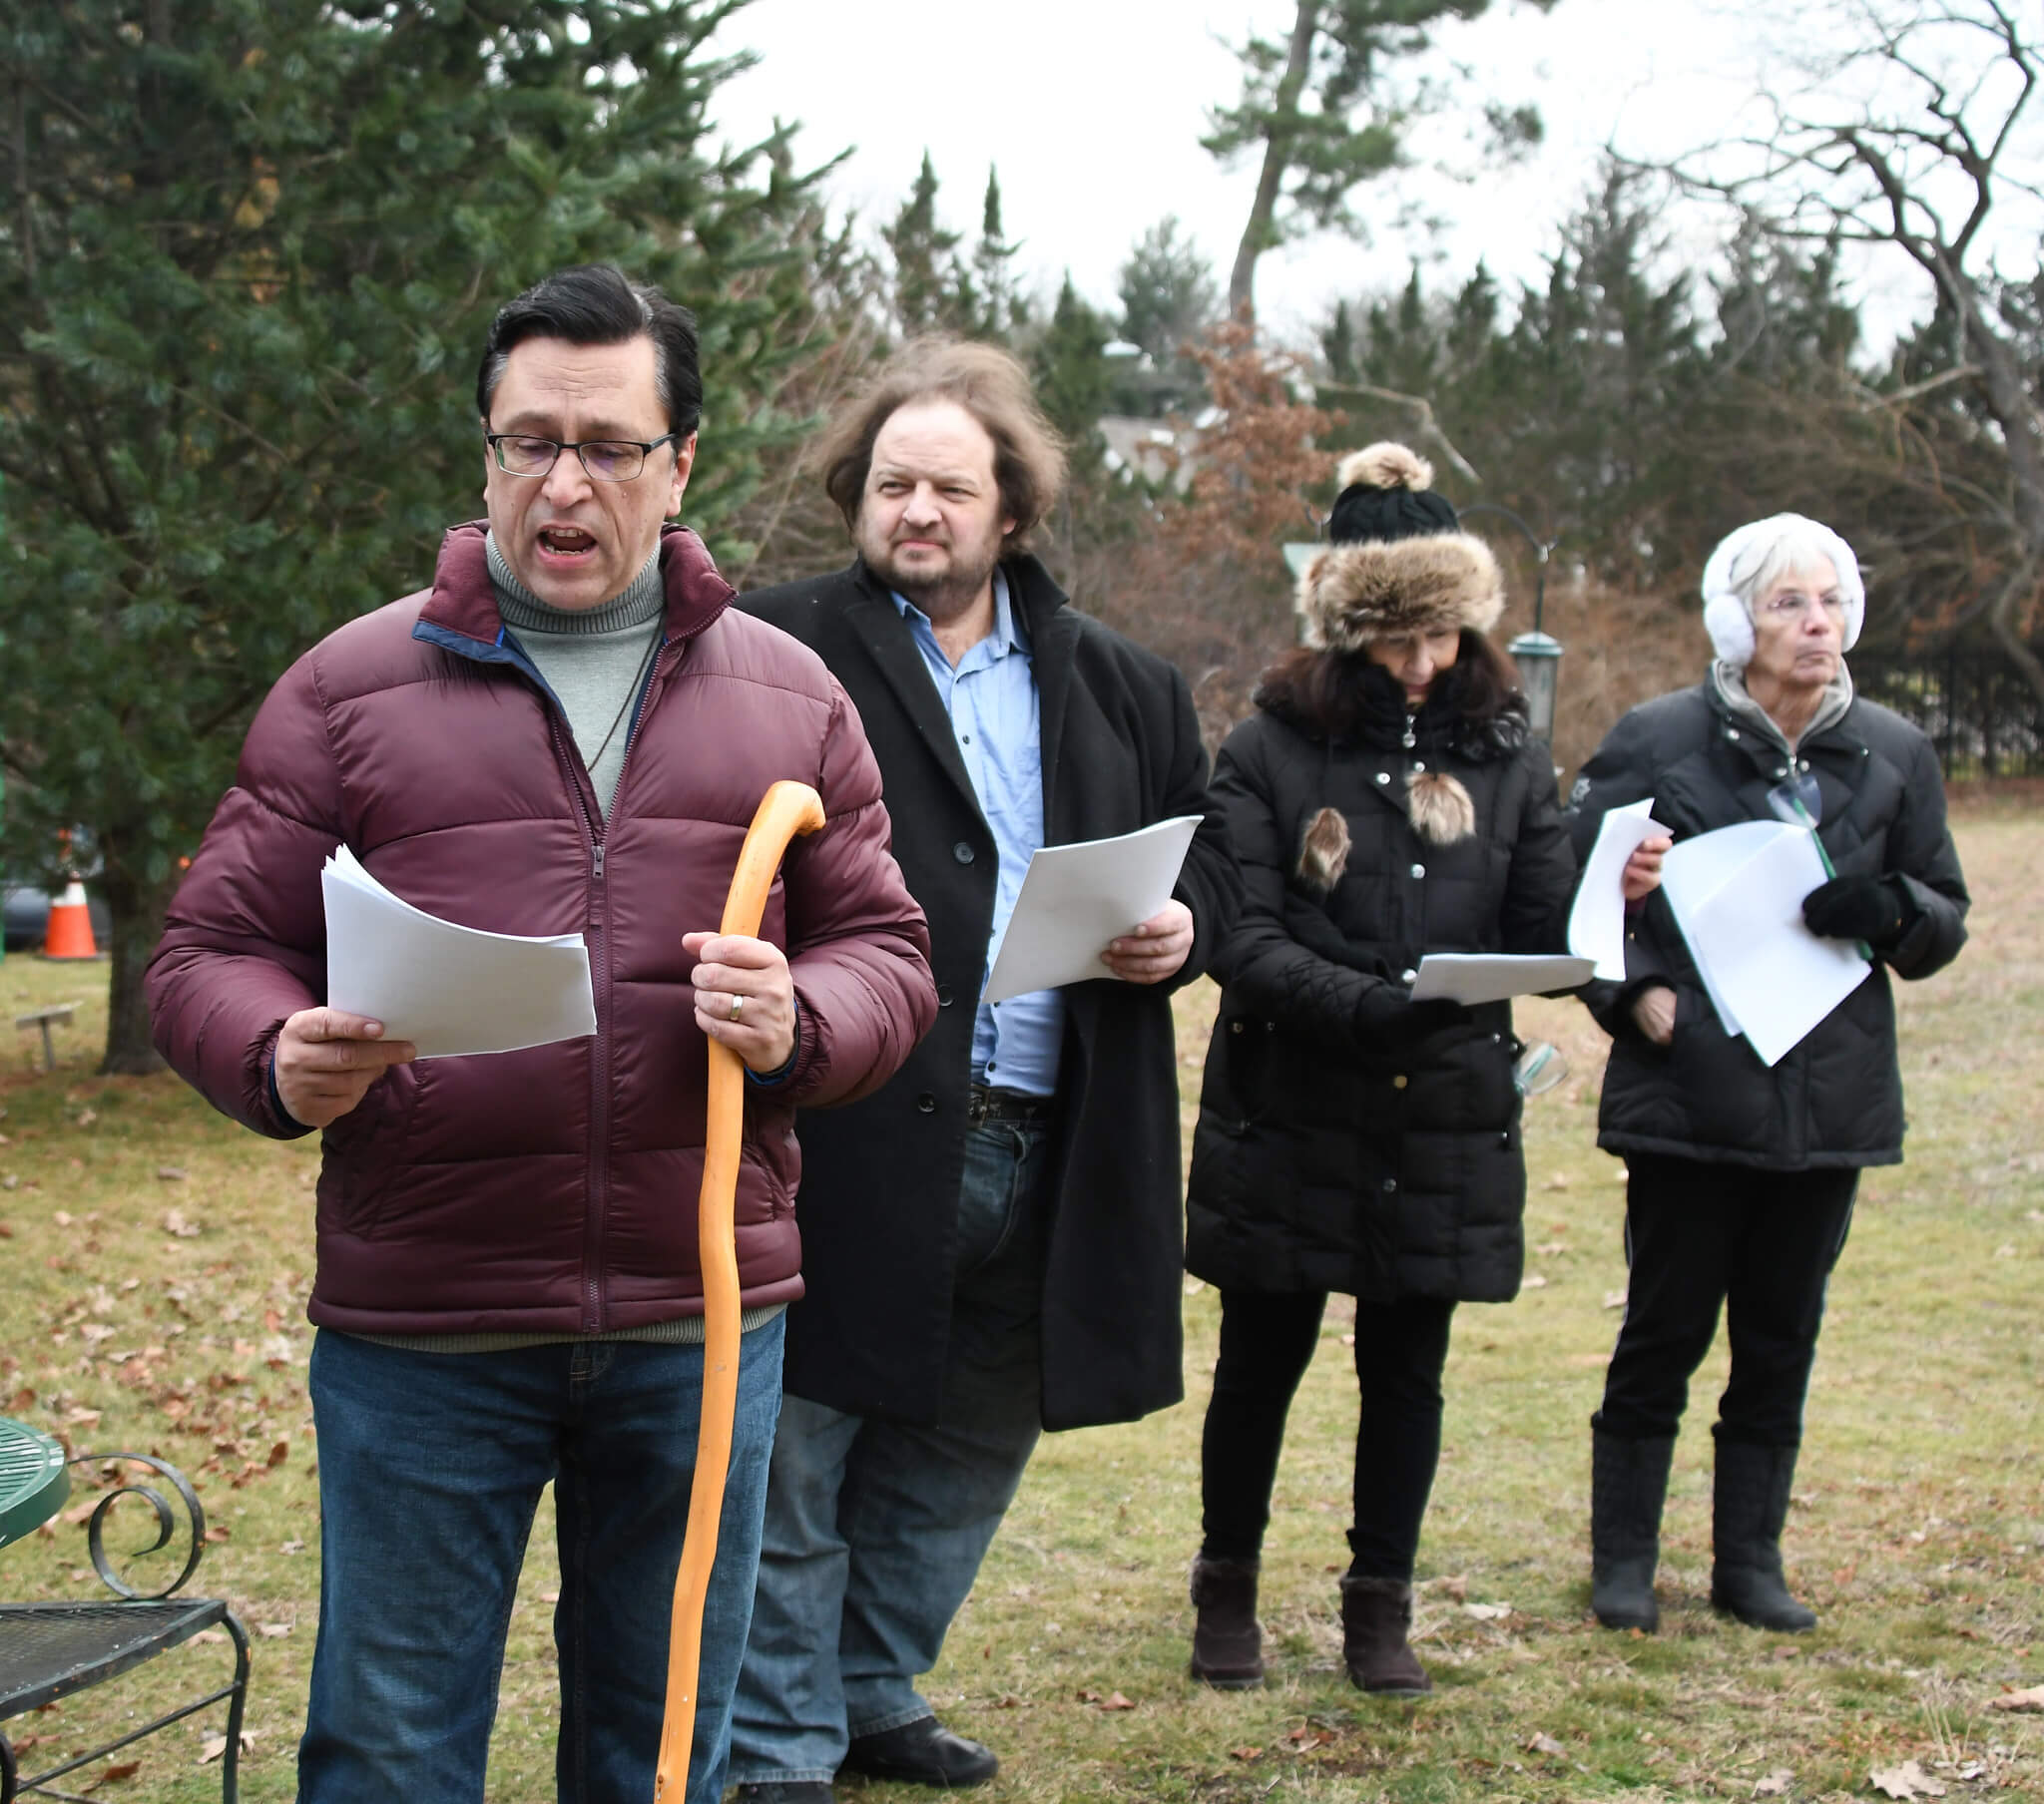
{"x": 1376, "y": 1615}
{"x": 1228, "y": 1640}
{"x": 1628, "y": 1484}
{"x": 1750, "y": 1504}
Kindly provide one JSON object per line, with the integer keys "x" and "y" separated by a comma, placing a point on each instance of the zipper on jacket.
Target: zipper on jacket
{"x": 597, "y": 1218}
{"x": 597, "y": 1180}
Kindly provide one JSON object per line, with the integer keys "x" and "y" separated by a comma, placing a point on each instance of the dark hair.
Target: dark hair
{"x": 595, "y": 303}
{"x": 1325, "y": 690}
{"x": 1029, "y": 456}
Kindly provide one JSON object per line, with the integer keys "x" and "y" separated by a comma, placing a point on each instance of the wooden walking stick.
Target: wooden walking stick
{"x": 786, "y": 811}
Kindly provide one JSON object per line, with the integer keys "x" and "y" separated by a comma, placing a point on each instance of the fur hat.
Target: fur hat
{"x": 1739, "y": 556}
{"x": 1399, "y": 562}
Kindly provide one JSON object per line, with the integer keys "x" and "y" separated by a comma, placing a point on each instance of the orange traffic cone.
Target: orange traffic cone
{"x": 69, "y": 935}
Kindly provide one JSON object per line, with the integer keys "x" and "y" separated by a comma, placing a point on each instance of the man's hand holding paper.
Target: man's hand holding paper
{"x": 1155, "y": 951}
{"x": 326, "y": 1060}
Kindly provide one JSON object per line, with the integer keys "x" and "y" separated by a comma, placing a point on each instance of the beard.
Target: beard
{"x": 941, "y": 594}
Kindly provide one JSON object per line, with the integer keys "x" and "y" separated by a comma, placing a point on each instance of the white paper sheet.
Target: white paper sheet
{"x": 1738, "y": 897}
{"x": 1474, "y": 977}
{"x": 1597, "y": 921}
{"x": 447, "y": 989}
{"x": 1075, "y": 898}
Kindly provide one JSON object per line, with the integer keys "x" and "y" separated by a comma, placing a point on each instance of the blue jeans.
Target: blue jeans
{"x": 430, "y": 1468}
{"x": 875, "y": 1530}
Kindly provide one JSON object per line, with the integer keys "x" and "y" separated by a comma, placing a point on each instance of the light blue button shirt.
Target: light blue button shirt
{"x": 991, "y": 699}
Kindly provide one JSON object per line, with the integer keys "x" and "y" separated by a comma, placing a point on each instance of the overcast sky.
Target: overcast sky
{"x": 1092, "y": 110}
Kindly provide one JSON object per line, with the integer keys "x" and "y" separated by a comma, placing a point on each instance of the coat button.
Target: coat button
{"x": 963, "y": 852}
{"x": 1235, "y": 1027}
{"x": 1390, "y": 1187}
{"x": 1418, "y": 765}
{"x": 1384, "y": 776}
{"x": 926, "y": 1103}
{"x": 1398, "y": 1082}
{"x": 1419, "y": 870}
{"x": 1408, "y": 976}
{"x": 943, "y": 996}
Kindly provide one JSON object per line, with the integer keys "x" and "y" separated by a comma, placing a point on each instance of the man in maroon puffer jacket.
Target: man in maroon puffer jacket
{"x": 568, "y": 731}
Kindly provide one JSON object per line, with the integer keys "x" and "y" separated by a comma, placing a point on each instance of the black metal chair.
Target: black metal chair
{"x": 50, "y": 1650}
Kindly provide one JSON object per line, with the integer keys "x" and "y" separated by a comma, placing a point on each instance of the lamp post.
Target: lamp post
{"x": 1537, "y": 653}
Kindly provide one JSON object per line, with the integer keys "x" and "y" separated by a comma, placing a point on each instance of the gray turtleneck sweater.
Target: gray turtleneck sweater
{"x": 595, "y": 660}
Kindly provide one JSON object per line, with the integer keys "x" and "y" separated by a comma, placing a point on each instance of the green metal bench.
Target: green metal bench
{"x": 50, "y": 1650}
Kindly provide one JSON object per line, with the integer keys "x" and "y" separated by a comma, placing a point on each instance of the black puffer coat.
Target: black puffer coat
{"x": 1837, "y": 1099}
{"x": 1329, "y": 1158}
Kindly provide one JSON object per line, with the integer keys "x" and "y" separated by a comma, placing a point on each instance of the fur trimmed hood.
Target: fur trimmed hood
{"x": 1375, "y": 589}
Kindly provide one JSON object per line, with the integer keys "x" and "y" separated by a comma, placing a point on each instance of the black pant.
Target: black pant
{"x": 1760, "y": 1243}
{"x": 1266, "y": 1343}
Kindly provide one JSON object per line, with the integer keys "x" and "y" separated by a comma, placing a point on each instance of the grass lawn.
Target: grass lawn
{"x": 156, "y": 1261}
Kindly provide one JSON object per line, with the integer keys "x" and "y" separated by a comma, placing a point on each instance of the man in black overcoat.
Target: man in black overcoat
{"x": 991, "y": 1244}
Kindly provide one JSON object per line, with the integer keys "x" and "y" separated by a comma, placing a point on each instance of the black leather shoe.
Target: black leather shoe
{"x": 922, "y": 1752}
{"x": 788, "y": 1792}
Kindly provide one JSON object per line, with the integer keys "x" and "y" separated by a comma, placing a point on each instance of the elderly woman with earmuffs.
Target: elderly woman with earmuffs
{"x": 1386, "y": 800}
{"x": 1742, "y": 1176}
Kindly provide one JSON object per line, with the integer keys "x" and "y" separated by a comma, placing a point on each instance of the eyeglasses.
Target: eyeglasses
{"x": 606, "y": 459}
{"x": 1790, "y": 602}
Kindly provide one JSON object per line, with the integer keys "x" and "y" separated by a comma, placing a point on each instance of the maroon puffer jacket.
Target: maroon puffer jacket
{"x": 551, "y": 1190}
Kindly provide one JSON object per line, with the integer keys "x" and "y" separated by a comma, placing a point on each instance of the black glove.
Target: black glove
{"x": 1388, "y": 1017}
{"x": 1855, "y": 908}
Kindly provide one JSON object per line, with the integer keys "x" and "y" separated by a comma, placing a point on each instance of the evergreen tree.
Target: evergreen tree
{"x": 997, "y": 309}
{"x": 1072, "y": 375}
{"x": 1327, "y": 110}
{"x": 250, "y": 252}
{"x": 927, "y": 270}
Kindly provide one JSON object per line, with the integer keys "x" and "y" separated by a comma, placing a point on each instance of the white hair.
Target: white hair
{"x": 1749, "y": 562}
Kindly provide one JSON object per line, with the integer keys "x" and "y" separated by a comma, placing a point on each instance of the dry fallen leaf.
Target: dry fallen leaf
{"x": 1614, "y": 1299}
{"x": 171, "y": 1173}
{"x": 1454, "y": 1586}
{"x": 1535, "y": 1282}
{"x": 1487, "y": 1612}
{"x": 1543, "y": 1744}
{"x": 1114, "y": 1701}
{"x": 114, "y": 1774}
{"x": 210, "y": 1637}
{"x": 2032, "y": 1700}
{"x": 63, "y": 1219}
{"x": 280, "y": 1453}
{"x": 1245, "y": 1753}
{"x": 176, "y": 1222}
{"x": 274, "y": 1630}
{"x": 1908, "y": 1780}
{"x": 1774, "y": 1785}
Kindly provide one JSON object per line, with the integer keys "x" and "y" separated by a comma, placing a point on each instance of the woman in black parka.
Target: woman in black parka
{"x": 1742, "y": 1175}
{"x": 1386, "y": 800}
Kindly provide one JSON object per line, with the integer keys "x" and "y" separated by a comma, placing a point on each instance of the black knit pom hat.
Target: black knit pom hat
{"x": 1386, "y": 495}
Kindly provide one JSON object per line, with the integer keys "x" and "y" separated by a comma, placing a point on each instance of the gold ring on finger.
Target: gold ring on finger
{"x": 736, "y": 1004}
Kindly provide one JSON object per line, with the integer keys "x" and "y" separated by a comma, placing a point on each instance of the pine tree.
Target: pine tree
{"x": 249, "y": 254}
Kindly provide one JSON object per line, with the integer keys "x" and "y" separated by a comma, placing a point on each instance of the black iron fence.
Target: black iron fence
{"x": 1984, "y": 718}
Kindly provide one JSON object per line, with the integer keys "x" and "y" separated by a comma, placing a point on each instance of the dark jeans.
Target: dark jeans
{"x": 1760, "y": 1244}
{"x": 1266, "y": 1343}
{"x": 430, "y": 1468}
{"x": 875, "y": 1530}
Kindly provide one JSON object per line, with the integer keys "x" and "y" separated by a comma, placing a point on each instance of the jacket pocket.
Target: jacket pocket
{"x": 366, "y": 1149}
{"x": 1236, "y": 1092}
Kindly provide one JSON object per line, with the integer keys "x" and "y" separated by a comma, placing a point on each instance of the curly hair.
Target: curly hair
{"x": 1029, "y": 454}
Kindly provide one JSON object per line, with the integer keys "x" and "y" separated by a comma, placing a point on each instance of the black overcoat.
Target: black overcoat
{"x": 878, "y": 1207}
{"x": 1836, "y": 1098}
{"x": 1326, "y": 1158}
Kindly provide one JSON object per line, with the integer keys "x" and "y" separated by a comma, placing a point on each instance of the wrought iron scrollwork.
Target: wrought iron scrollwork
{"x": 167, "y": 1522}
